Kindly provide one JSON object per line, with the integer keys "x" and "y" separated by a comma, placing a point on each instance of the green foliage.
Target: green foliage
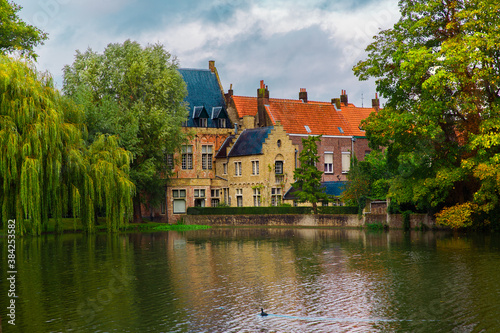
{"x": 307, "y": 176}
{"x": 368, "y": 179}
{"x": 181, "y": 227}
{"x": 137, "y": 94}
{"x": 46, "y": 170}
{"x": 439, "y": 70}
{"x": 15, "y": 34}
{"x": 269, "y": 210}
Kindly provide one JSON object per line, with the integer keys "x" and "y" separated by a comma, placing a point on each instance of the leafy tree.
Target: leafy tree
{"x": 46, "y": 170}
{"x": 439, "y": 69}
{"x": 136, "y": 93}
{"x": 15, "y": 34}
{"x": 307, "y": 176}
{"x": 368, "y": 179}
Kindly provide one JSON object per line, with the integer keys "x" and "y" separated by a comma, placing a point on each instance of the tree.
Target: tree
{"x": 307, "y": 176}
{"x": 368, "y": 179}
{"x": 439, "y": 69}
{"x": 136, "y": 93}
{"x": 46, "y": 170}
{"x": 15, "y": 34}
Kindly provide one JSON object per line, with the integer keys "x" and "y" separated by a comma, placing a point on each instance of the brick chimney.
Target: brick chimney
{"x": 303, "y": 95}
{"x": 211, "y": 65}
{"x": 262, "y": 101}
{"x": 336, "y": 103}
{"x": 376, "y": 103}
{"x": 229, "y": 94}
{"x": 343, "y": 97}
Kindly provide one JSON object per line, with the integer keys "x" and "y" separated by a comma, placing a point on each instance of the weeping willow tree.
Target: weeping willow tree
{"x": 46, "y": 170}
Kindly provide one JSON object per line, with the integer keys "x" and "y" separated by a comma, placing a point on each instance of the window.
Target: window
{"x": 278, "y": 167}
{"x": 239, "y": 197}
{"x": 215, "y": 202}
{"x": 199, "y": 198}
{"x": 224, "y": 168}
{"x": 328, "y": 162}
{"x": 199, "y": 193}
{"x": 227, "y": 198}
{"x": 206, "y": 157}
{"x": 215, "y": 193}
{"x": 221, "y": 123}
{"x": 256, "y": 197}
{"x": 346, "y": 162}
{"x": 187, "y": 157}
{"x": 179, "y": 201}
{"x": 237, "y": 168}
{"x": 163, "y": 208}
{"x": 170, "y": 161}
{"x": 203, "y": 122}
{"x": 255, "y": 168}
{"x": 279, "y": 143}
{"x": 275, "y": 196}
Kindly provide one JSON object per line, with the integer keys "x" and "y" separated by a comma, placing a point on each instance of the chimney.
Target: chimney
{"x": 303, "y": 95}
{"x": 211, "y": 65}
{"x": 343, "y": 98}
{"x": 262, "y": 101}
{"x": 376, "y": 103}
{"x": 229, "y": 94}
{"x": 336, "y": 103}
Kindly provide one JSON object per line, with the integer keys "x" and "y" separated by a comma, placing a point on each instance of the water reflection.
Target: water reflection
{"x": 217, "y": 280}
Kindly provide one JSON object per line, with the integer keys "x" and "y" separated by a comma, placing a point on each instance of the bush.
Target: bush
{"x": 269, "y": 210}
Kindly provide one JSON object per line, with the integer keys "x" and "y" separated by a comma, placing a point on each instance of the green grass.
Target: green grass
{"x": 70, "y": 225}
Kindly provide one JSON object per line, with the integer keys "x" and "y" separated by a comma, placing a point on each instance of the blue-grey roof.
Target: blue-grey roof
{"x": 334, "y": 188}
{"x": 204, "y": 93}
{"x": 222, "y": 153}
{"x": 250, "y": 142}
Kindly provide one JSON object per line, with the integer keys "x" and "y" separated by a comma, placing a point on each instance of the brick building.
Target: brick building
{"x": 338, "y": 122}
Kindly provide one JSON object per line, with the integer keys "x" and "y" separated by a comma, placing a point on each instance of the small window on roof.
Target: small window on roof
{"x": 307, "y": 129}
{"x": 340, "y": 130}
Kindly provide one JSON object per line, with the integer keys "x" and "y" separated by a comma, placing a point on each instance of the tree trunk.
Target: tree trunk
{"x": 315, "y": 207}
{"x": 137, "y": 209}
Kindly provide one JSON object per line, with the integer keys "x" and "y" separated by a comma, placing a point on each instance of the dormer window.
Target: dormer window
{"x": 221, "y": 122}
{"x": 203, "y": 122}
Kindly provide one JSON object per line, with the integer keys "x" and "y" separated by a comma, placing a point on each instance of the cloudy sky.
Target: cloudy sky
{"x": 290, "y": 44}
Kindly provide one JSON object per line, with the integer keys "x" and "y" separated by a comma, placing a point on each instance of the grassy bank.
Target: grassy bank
{"x": 70, "y": 225}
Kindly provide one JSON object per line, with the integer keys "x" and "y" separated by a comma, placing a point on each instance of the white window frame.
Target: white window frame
{"x": 346, "y": 161}
{"x": 278, "y": 171}
{"x": 239, "y": 197}
{"x": 206, "y": 157}
{"x": 203, "y": 122}
{"x": 256, "y": 197}
{"x": 328, "y": 159}
{"x": 237, "y": 169}
{"x": 179, "y": 196}
{"x": 276, "y": 196}
{"x": 187, "y": 157}
{"x": 221, "y": 122}
{"x": 255, "y": 168}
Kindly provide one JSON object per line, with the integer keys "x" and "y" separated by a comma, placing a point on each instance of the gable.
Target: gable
{"x": 250, "y": 142}
{"x": 204, "y": 96}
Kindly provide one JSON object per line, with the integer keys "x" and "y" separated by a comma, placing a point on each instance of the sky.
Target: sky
{"x": 290, "y": 44}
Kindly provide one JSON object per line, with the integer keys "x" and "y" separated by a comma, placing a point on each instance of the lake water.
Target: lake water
{"x": 216, "y": 280}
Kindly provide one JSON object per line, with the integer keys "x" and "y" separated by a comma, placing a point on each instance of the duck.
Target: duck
{"x": 262, "y": 313}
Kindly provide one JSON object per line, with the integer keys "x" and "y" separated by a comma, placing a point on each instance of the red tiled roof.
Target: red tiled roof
{"x": 354, "y": 115}
{"x": 245, "y": 106}
{"x": 319, "y": 117}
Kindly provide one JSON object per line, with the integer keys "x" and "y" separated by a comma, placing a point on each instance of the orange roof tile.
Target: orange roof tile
{"x": 245, "y": 106}
{"x": 354, "y": 115}
{"x": 320, "y": 117}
